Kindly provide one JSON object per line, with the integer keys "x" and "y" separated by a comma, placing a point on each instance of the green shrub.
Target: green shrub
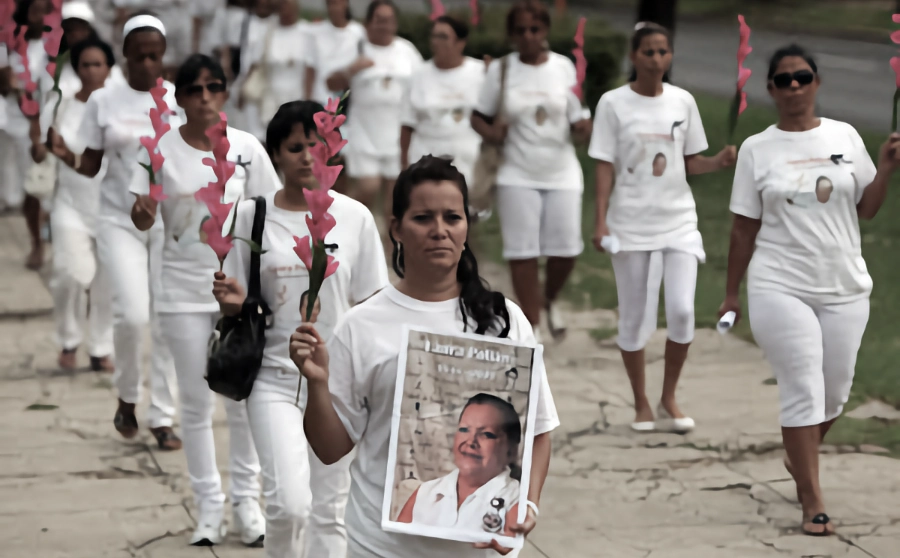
{"x": 604, "y": 48}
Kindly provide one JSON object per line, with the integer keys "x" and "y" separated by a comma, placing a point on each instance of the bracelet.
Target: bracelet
{"x": 534, "y": 507}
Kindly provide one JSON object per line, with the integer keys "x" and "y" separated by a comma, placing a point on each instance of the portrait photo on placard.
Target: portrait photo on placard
{"x": 461, "y": 437}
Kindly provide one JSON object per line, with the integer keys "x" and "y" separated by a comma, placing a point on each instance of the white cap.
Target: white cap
{"x": 140, "y": 21}
{"x": 78, "y": 10}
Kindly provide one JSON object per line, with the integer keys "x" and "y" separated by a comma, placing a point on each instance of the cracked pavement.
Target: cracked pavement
{"x": 71, "y": 487}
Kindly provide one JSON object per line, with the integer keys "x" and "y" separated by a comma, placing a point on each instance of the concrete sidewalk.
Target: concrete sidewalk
{"x": 71, "y": 487}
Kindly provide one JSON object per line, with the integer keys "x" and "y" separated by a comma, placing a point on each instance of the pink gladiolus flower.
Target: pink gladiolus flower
{"x": 326, "y": 175}
{"x": 156, "y": 193}
{"x": 333, "y": 104}
{"x": 744, "y": 50}
{"x": 159, "y": 97}
{"x": 327, "y": 123}
{"x": 473, "y": 6}
{"x": 303, "y": 251}
{"x": 319, "y": 228}
{"x": 580, "y": 60}
{"x": 437, "y": 9}
{"x": 156, "y": 158}
{"x": 895, "y": 37}
{"x": 224, "y": 169}
{"x": 53, "y": 38}
{"x": 210, "y": 195}
{"x": 895, "y": 64}
{"x": 159, "y": 127}
{"x": 318, "y": 202}
{"x": 331, "y": 267}
{"x": 29, "y": 106}
{"x": 221, "y": 245}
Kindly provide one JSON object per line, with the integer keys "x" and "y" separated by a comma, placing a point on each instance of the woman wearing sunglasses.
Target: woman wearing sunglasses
{"x": 187, "y": 309}
{"x": 808, "y": 288}
{"x": 539, "y": 182}
{"x": 647, "y": 138}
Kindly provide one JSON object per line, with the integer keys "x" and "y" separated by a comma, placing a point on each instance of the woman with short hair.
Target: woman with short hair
{"x": 807, "y": 284}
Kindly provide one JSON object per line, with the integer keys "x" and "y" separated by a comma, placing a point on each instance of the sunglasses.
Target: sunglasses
{"x": 785, "y": 80}
{"x": 197, "y": 88}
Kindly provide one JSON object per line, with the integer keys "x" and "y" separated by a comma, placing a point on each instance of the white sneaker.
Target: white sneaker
{"x": 249, "y": 522}
{"x": 210, "y": 529}
{"x": 555, "y": 321}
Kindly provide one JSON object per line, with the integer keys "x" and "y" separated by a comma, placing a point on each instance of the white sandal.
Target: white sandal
{"x": 666, "y": 423}
{"x": 645, "y": 426}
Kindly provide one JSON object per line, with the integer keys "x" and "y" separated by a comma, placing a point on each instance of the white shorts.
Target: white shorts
{"x": 363, "y": 165}
{"x": 812, "y": 351}
{"x": 537, "y": 223}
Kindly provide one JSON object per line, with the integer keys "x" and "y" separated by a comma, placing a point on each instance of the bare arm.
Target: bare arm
{"x": 308, "y": 82}
{"x": 540, "y": 466}
{"x": 700, "y": 164}
{"x": 603, "y": 185}
{"x": 143, "y": 213}
{"x": 6, "y": 80}
{"x": 743, "y": 241}
{"x": 91, "y": 160}
{"x": 338, "y": 81}
{"x": 873, "y": 196}
{"x": 324, "y": 429}
{"x": 488, "y": 127}
{"x": 406, "y": 514}
{"x": 405, "y": 139}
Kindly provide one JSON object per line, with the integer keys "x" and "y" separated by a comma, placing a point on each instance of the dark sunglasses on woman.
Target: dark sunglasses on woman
{"x": 785, "y": 80}
{"x": 197, "y": 88}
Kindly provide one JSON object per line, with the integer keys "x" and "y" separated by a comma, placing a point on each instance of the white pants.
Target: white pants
{"x": 364, "y": 165}
{"x": 537, "y": 223}
{"x": 132, "y": 259}
{"x": 15, "y": 160}
{"x": 187, "y": 335}
{"x": 812, "y": 351}
{"x": 297, "y": 486}
{"x": 75, "y": 272}
{"x": 638, "y": 294}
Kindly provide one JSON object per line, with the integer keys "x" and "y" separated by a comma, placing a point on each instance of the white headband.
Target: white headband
{"x": 143, "y": 21}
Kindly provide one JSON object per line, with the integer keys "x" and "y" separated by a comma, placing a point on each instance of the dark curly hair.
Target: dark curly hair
{"x": 476, "y": 301}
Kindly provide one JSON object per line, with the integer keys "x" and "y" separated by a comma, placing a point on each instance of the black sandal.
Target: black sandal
{"x": 166, "y": 438}
{"x": 820, "y": 519}
{"x": 125, "y": 421}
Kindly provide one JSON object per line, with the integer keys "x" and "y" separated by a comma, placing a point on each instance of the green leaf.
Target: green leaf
{"x": 254, "y": 247}
{"x": 894, "y": 118}
{"x": 41, "y": 407}
{"x": 149, "y": 169}
{"x": 316, "y": 277}
{"x": 733, "y": 114}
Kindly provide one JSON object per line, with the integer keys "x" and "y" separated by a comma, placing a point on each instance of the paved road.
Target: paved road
{"x": 858, "y": 84}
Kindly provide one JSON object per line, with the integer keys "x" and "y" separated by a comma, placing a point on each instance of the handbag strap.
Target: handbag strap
{"x": 504, "y": 69}
{"x": 259, "y": 223}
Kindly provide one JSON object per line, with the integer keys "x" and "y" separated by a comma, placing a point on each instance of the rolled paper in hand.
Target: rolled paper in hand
{"x": 726, "y": 322}
{"x": 610, "y": 244}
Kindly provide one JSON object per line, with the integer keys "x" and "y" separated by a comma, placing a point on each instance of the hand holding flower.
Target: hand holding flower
{"x": 307, "y": 350}
{"x": 889, "y": 154}
{"x": 727, "y": 157}
{"x": 229, "y": 294}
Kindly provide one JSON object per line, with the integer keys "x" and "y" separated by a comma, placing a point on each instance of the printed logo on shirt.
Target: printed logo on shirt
{"x": 811, "y": 182}
{"x": 540, "y": 115}
{"x": 648, "y": 156}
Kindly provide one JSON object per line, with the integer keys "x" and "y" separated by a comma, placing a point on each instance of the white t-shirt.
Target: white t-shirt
{"x": 188, "y": 263}
{"x": 17, "y": 124}
{"x": 437, "y": 502}
{"x": 374, "y": 118}
{"x": 647, "y": 139}
{"x": 4, "y": 63}
{"x": 115, "y": 119}
{"x": 284, "y": 278}
{"x": 539, "y": 108}
{"x": 363, "y": 366}
{"x": 438, "y": 106}
{"x": 286, "y": 61}
{"x": 332, "y": 49}
{"x": 75, "y": 190}
{"x": 805, "y": 246}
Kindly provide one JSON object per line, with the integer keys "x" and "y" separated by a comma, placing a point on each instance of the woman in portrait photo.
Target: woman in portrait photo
{"x": 485, "y": 484}
{"x": 824, "y": 187}
{"x": 659, "y": 164}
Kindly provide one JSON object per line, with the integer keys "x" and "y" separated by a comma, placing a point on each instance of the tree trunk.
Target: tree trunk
{"x": 659, "y": 11}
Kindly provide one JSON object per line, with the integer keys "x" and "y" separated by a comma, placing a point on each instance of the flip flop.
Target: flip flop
{"x": 820, "y": 519}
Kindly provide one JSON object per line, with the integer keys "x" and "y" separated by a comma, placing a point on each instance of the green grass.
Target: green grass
{"x": 870, "y": 19}
{"x": 877, "y": 375}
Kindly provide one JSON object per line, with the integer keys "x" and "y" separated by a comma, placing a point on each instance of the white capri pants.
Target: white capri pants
{"x": 301, "y": 492}
{"x": 365, "y": 165}
{"x": 132, "y": 260}
{"x": 75, "y": 272}
{"x": 537, "y": 223}
{"x": 812, "y": 351}
{"x": 15, "y": 160}
{"x": 638, "y": 295}
{"x": 188, "y": 336}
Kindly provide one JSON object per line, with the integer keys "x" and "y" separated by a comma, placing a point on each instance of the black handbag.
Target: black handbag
{"x": 236, "y": 347}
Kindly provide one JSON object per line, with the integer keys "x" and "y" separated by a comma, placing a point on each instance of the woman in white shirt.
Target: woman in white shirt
{"x": 188, "y": 312}
{"x": 333, "y": 45}
{"x": 77, "y": 23}
{"x": 282, "y": 56}
{"x": 115, "y": 118}
{"x": 294, "y": 480}
{"x": 485, "y": 484}
{"x": 15, "y": 139}
{"x": 261, "y": 19}
{"x": 800, "y": 188}
{"x": 439, "y": 101}
{"x": 351, "y": 382}
{"x": 76, "y": 271}
{"x": 377, "y": 80}
{"x": 540, "y": 182}
{"x": 647, "y": 138}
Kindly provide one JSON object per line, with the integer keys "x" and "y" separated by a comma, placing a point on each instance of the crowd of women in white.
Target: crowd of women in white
{"x": 799, "y": 189}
